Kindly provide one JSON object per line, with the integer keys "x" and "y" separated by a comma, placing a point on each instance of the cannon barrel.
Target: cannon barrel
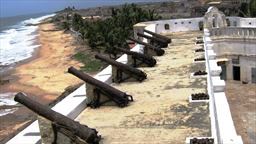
{"x": 112, "y": 93}
{"x": 105, "y": 87}
{"x": 156, "y": 39}
{"x": 140, "y": 75}
{"x": 168, "y": 40}
{"x": 158, "y": 51}
{"x": 82, "y": 131}
{"x": 149, "y": 60}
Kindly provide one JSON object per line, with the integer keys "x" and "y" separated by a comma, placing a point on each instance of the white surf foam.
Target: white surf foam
{"x": 18, "y": 44}
{"x": 7, "y": 99}
{"x": 7, "y": 111}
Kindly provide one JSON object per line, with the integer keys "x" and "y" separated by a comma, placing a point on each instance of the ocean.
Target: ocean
{"x": 18, "y": 38}
{"x": 17, "y": 43}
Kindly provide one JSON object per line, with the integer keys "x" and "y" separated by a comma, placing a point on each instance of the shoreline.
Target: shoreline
{"x": 11, "y": 67}
{"x": 42, "y": 77}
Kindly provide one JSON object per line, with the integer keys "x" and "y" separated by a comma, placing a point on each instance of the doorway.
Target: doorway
{"x": 236, "y": 73}
{"x": 253, "y": 75}
{"x": 223, "y": 74}
{"x": 201, "y": 25}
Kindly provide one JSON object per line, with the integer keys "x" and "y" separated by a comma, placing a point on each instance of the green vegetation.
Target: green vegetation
{"x": 248, "y": 10}
{"x": 104, "y": 34}
{"x": 252, "y": 8}
{"x": 90, "y": 64}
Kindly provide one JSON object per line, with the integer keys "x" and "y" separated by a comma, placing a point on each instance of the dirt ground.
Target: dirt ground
{"x": 43, "y": 78}
{"x": 242, "y": 102}
{"x": 160, "y": 113}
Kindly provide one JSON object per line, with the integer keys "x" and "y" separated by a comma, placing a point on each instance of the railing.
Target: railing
{"x": 233, "y": 32}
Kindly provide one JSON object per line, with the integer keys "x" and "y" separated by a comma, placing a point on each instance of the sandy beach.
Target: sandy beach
{"x": 43, "y": 78}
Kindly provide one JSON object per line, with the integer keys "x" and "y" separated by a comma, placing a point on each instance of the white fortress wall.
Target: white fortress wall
{"x": 174, "y": 25}
{"x": 242, "y": 22}
{"x": 178, "y": 25}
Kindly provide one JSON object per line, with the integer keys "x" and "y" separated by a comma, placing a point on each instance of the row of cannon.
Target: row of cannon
{"x": 102, "y": 92}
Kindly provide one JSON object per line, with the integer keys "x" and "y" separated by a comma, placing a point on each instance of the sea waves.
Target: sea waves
{"x": 18, "y": 43}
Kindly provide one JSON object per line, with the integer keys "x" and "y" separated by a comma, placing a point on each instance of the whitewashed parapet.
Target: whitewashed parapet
{"x": 209, "y": 46}
{"x": 222, "y": 125}
{"x": 218, "y": 85}
{"x": 242, "y": 22}
{"x": 211, "y": 54}
{"x": 215, "y": 69}
{"x": 227, "y": 132}
{"x": 172, "y": 25}
{"x": 233, "y": 32}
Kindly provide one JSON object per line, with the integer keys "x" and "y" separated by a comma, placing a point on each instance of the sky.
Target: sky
{"x": 22, "y": 7}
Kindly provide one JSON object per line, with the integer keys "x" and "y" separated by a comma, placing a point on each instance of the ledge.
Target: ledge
{"x": 215, "y": 70}
{"x": 228, "y": 132}
{"x": 218, "y": 84}
{"x": 211, "y": 54}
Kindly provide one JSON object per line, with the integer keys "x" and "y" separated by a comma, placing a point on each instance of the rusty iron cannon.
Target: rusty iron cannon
{"x": 60, "y": 123}
{"x": 149, "y": 49}
{"x": 154, "y": 40}
{"x": 138, "y": 58}
{"x": 122, "y": 72}
{"x": 164, "y": 38}
{"x": 99, "y": 93}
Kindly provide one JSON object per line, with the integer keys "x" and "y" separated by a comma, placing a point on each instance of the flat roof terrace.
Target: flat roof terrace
{"x": 161, "y": 112}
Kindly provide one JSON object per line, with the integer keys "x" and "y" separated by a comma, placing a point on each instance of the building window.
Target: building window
{"x": 175, "y": 23}
{"x": 189, "y": 22}
{"x": 182, "y": 22}
{"x": 201, "y": 25}
{"x": 166, "y": 26}
{"x": 235, "y": 61}
{"x": 250, "y": 23}
{"x": 228, "y": 22}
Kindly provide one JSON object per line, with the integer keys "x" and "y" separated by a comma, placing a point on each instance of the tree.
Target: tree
{"x": 65, "y": 25}
{"x": 248, "y": 10}
{"x": 107, "y": 34}
{"x": 252, "y": 8}
{"x": 243, "y": 10}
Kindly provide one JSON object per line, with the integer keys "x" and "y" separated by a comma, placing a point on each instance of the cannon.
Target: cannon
{"x": 98, "y": 89}
{"x": 158, "y": 51}
{"x": 60, "y": 122}
{"x": 138, "y": 57}
{"x": 155, "y": 40}
{"x": 119, "y": 70}
{"x": 166, "y": 39}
